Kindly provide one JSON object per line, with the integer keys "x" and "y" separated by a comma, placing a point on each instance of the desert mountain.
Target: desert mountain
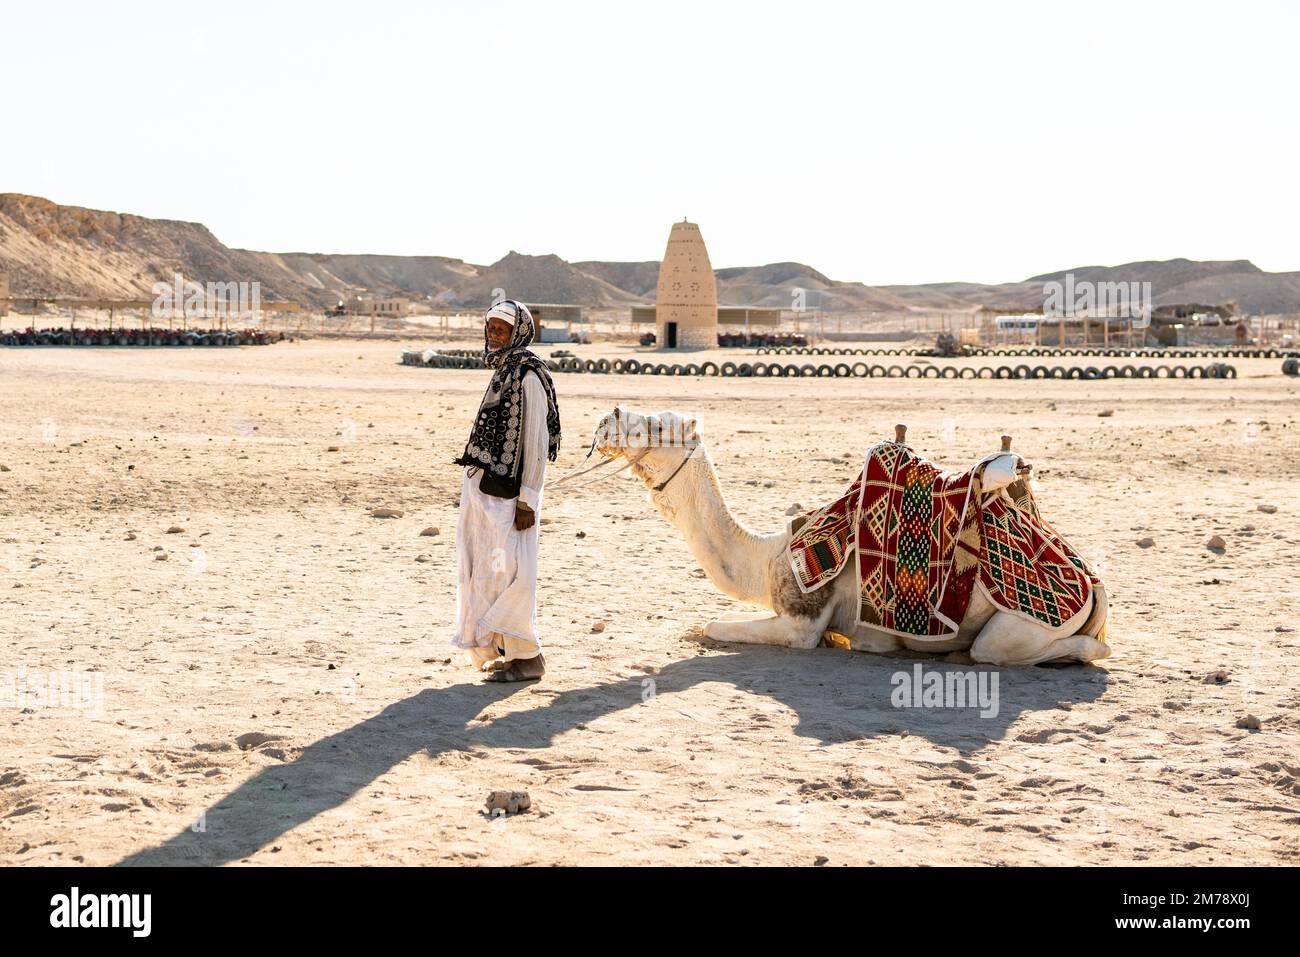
{"x": 52, "y": 250}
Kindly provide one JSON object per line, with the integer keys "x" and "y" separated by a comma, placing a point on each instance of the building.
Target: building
{"x": 387, "y": 308}
{"x": 554, "y": 321}
{"x": 742, "y": 318}
{"x": 686, "y": 301}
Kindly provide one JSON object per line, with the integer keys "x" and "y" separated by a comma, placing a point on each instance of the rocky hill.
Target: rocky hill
{"x": 52, "y": 250}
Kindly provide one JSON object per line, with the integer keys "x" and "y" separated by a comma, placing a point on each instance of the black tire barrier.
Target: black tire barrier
{"x": 467, "y": 359}
{"x": 126, "y": 338}
{"x": 1290, "y": 367}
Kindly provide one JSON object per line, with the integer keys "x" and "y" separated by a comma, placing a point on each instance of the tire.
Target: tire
{"x": 728, "y": 369}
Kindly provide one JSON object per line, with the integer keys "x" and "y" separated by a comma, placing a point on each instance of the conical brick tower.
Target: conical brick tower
{"x": 686, "y": 303}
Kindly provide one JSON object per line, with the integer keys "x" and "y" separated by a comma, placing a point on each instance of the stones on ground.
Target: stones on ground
{"x": 254, "y": 739}
{"x": 598, "y": 627}
{"x": 175, "y": 530}
{"x": 1105, "y": 413}
{"x": 1217, "y": 677}
{"x": 332, "y": 448}
{"x": 581, "y": 534}
{"x": 385, "y": 513}
{"x": 160, "y": 557}
{"x": 5, "y": 468}
{"x": 1267, "y": 509}
{"x": 130, "y": 536}
{"x": 1248, "y": 723}
{"x": 508, "y": 802}
{"x": 431, "y": 531}
{"x": 1146, "y": 542}
{"x": 1216, "y": 544}
{"x": 795, "y": 509}
{"x": 423, "y": 558}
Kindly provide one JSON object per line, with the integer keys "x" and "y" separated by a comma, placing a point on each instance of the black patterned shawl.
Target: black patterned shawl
{"x": 496, "y": 439}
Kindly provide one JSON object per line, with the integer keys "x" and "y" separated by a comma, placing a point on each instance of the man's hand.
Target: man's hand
{"x": 524, "y": 517}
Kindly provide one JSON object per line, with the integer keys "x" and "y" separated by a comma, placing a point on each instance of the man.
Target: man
{"x": 516, "y": 432}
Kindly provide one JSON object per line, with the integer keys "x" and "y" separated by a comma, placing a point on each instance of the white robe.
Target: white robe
{"x": 496, "y": 593}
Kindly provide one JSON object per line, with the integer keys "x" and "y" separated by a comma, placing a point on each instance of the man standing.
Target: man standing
{"x": 516, "y": 432}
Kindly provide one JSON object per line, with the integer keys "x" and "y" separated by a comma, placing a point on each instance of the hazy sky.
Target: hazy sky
{"x": 877, "y": 142}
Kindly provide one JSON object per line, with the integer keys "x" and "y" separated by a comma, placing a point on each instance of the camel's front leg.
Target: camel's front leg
{"x": 766, "y": 628}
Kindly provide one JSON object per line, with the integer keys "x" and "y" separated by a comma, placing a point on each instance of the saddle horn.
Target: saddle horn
{"x": 900, "y": 433}
{"x": 1006, "y": 443}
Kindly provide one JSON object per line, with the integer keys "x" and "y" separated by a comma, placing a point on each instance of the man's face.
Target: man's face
{"x": 499, "y": 333}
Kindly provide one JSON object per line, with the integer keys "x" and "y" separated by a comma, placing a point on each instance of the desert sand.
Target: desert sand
{"x": 280, "y": 688}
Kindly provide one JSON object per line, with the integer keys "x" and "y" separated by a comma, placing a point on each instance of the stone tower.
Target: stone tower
{"x": 686, "y": 302}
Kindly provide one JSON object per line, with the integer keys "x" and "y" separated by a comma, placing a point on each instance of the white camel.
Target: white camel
{"x": 753, "y": 567}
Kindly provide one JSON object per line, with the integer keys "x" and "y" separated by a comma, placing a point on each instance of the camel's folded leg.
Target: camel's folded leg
{"x": 765, "y": 628}
{"x": 1010, "y": 639}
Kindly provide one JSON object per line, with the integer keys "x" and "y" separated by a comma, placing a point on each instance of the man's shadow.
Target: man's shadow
{"x": 837, "y": 696}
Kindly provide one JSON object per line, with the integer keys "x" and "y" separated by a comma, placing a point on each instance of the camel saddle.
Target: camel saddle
{"x": 925, "y": 539}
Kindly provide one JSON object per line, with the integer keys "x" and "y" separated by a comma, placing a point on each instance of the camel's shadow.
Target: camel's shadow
{"x": 837, "y": 696}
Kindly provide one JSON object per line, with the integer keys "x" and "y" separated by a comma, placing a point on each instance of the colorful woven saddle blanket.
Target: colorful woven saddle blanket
{"x": 924, "y": 539}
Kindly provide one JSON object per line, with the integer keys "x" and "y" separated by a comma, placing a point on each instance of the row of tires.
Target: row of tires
{"x": 1047, "y": 352}
{"x": 859, "y": 370}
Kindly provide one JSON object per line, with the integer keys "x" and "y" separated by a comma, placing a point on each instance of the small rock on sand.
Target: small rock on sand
{"x": 1248, "y": 723}
{"x": 385, "y": 513}
{"x": 795, "y": 509}
{"x": 1105, "y": 413}
{"x": 431, "y": 530}
{"x": 423, "y": 558}
{"x": 509, "y": 802}
{"x": 1216, "y": 543}
{"x": 1267, "y": 509}
{"x": 4, "y": 468}
{"x": 254, "y": 739}
{"x": 1146, "y": 542}
{"x": 175, "y": 530}
{"x": 160, "y": 557}
{"x": 332, "y": 448}
{"x": 598, "y": 627}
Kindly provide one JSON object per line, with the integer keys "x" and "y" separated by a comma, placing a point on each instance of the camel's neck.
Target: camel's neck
{"x": 735, "y": 559}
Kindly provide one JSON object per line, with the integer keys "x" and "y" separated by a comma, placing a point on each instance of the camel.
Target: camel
{"x": 753, "y": 567}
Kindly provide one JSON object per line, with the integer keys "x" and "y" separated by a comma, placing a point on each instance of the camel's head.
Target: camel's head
{"x": 655, "y": 444}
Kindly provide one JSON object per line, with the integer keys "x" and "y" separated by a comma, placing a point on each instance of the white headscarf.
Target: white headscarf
{"x": 505, "y": 311}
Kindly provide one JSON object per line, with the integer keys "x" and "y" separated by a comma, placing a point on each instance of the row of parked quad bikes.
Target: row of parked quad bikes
{"x": 467, "y": 359}
{"x": 138, "y": 337}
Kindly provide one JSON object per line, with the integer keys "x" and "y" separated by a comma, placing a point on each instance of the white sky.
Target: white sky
{"x": 878, "y": 142}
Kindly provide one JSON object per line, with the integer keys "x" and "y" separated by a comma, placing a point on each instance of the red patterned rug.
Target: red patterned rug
{"x": 923, "y": 539}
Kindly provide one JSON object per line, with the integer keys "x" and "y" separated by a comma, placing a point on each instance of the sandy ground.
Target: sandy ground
{"x": 283, "y": 611}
